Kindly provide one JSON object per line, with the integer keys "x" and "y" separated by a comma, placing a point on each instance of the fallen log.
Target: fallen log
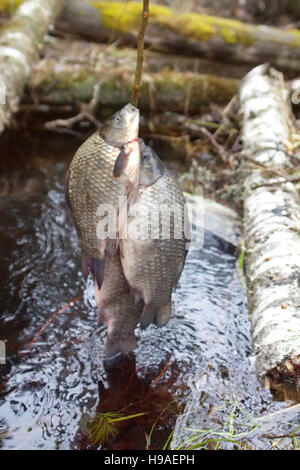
{"x": 271, "y": 226}
{"x": 86, "y": 52}
{"x": 212, "y": 37}
{"x": 62, "y": 82}
{"x": 20, "y": 41}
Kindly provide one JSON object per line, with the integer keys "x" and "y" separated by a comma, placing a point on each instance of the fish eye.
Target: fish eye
{"x": 117, "y": 118}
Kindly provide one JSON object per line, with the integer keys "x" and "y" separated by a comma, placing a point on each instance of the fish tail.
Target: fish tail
{"x": 135, "y": 295}
{"x": 93, "y": 266}
{"x": 163, "y": 315}
{"x": 119, "y": 345}
{"x": 148, "y": 316}
{"x": 121, "y": 163}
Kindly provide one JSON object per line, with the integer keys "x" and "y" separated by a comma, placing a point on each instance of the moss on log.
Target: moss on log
{"x": 20, "y": 41}
{"x": 61, "y": 80}
{"x": 271, "y": 227}
{"x": 208, "y": 36}
{"x": 9, "y": 5}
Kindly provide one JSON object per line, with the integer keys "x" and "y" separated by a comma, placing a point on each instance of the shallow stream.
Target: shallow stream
{"x": 55, "y": 392}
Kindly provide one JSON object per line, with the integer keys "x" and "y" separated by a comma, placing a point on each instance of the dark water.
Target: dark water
{"x": 51, "y": 397}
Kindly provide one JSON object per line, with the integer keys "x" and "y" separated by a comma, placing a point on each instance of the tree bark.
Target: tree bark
{"x": 215, "y": 38}
{"x": 20, "y": 40}
{"x": 87, "y": 52}
{"x": 271, "y": 227}
{"x": 70, "y": 79}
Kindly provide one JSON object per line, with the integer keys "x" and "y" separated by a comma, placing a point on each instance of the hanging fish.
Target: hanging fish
{"x": 90, "y": 184}
{"x": 114, "y": 300}
{"x": 152, "y": 259}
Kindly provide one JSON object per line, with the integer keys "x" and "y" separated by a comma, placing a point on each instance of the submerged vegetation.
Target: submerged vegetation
{"x": 104, "y": 426}
{"x": 241, "y": 432}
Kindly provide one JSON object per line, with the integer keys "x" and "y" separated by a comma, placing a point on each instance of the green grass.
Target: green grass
{"x": 104, "y": 426}
{"x": 237, "y": 434}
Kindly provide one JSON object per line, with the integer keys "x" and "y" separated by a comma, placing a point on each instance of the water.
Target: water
{"x": 51, "y": 396}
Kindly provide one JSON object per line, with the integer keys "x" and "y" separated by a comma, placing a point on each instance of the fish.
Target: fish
{"x": 114, "y": 300}
{"x": 153, "y": 259}
{"x": 92, "y": 189}
{"x": 117, "y": 308}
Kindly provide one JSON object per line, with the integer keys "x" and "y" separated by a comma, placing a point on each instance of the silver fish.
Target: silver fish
{"x": 152, "y": 259}
{"x": 115, "y": 305}
{"x": 90, "y": 183}
{"x": 114, "y": 300}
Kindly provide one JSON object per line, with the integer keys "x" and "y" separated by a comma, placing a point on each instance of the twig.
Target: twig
{"x": 87, "y": 111}
{"x": 161, "y": 374}
{"x": 41, "y": 330}
{"x": 167, "y": 138}
{"x": 222, "y": 153}
{"x": 140, "y": 54}
{"x": 283, "y": 436}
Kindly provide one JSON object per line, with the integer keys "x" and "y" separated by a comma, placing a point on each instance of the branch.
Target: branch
{"x": 140, "y": 54}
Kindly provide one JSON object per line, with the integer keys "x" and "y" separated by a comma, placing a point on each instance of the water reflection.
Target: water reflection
{"x": 49, "y": 397}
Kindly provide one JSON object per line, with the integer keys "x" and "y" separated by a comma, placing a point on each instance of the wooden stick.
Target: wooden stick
{"x": 140, "y": 54}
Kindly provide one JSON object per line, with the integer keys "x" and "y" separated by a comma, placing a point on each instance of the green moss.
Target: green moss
{"x": 233, "y": 31}
{"x": 118, "y": 16}
{"x": 125, "y": 17}
{"x": 192, "y": 24}
{"x": 10, "y": 5}
{"x": 204, "y": 27}
{"x": 295, "y": 34}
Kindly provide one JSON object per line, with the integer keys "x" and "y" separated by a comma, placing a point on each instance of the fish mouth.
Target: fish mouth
{"x": 129, "y": 108}
{"x": 132, "y": 115}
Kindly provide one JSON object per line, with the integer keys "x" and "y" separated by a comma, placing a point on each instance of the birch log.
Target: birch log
{"x": 200, "y": 35}
{"x": 271, "y": 227}
{"x": 20, "y": 41}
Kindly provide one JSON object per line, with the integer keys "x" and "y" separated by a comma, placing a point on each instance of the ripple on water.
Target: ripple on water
{"x": 45, "y": 398}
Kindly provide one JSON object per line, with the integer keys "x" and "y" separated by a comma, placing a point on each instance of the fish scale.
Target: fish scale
{"x": 152, "y": 267}
{"x": 115, "y": 305}
{"x": 93, "y": 162}
{"x": 90, "y": 182}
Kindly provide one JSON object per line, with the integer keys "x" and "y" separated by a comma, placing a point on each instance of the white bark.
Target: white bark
{"x": 271, "y": 227}
{"x": 20, "y": 41}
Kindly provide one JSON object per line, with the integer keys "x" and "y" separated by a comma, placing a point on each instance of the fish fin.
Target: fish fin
{"x": 120, "y": 163}
{"x": 84, "y": 265}
{"x": 97, "y": 270}
{"x": 111, "y": 246}
{"x": 119, "y": 345}
{"x": 148, "y": 315}
{"x": 163, "y": 315}
{"x": 93, "y": 266}
{"x": 135, "y": 295}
